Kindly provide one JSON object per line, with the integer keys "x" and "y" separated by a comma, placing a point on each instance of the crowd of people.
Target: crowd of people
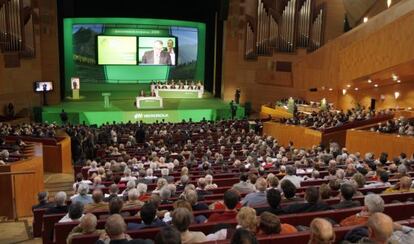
{"x": 134, "y": 156}
{"x": 182, "y": 85}
{"x": 328, "y": 119}
{"x": 399, "y": 126}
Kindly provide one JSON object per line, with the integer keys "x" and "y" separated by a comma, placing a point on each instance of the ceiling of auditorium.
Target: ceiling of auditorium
{"x": 357, "y": 9}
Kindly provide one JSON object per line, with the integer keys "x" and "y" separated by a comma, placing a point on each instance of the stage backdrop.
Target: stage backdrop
{"x": 110, "y": 51}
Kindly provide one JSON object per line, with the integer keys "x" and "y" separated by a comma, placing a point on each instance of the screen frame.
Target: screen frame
{"x": 39, "y": 81}
{"x": 97, "y": 50}
{"x": 176, "y": 48}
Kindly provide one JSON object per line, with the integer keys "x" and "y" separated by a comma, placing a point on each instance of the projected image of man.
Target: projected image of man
{"x": 171, "y": 51}
{"x": 157, "y": 55}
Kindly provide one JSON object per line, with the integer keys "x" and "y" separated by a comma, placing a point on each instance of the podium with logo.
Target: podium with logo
{"x": 75, "y": 84}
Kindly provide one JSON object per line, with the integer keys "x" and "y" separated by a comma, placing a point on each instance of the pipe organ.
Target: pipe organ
{"x": 283, "y": 25}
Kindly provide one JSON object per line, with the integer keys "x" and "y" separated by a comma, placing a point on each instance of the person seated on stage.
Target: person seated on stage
{"x": 181, "y": 85}
{"x": 153, "y": 94}
{"x": 142, "y": 94}
{"x": 172, "y": 86}
{"x": 199, "y": 85}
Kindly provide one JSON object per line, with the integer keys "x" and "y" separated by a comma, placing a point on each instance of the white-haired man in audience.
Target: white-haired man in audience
{"x": 82, "y": 195}
{"x": 209, "y": 181}
{"x": 291, "y": 175}
{"x": 373, "y": 203}
{"x": 86, "y": 226}
{"x": 59, "y": 204}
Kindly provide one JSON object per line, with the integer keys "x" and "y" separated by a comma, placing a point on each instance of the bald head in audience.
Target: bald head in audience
{"x": 321, "y": 232}
{"x": 380, "y": 228}
{"x": 115, "y": 227}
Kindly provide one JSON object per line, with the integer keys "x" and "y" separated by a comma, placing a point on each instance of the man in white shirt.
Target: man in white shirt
{"x": 291, "y": 175}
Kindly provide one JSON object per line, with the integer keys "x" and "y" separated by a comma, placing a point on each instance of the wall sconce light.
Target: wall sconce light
{"x": 376, "y": 85}
{"x": 348, "y": 85}
{"x": 369, "y": 81}
{"x": 356, "y": 89}
{"x": 343, "y": 91}
{"x": 330, "y": 89}
{"x": 394, "y": 77}
{"x": 389, "y": 2}
{"x": 365, "y": 19}
{"x": 396, "y": 95}
{"x": 398, "y": 81}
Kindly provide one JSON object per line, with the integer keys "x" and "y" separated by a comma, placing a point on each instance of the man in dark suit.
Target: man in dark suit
{"x": 157, "y": 56}
{"x": 347, "y": 192}
{"x": 312, "y": 203}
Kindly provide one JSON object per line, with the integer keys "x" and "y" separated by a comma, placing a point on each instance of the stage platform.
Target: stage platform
{"x": 90, "y": 109}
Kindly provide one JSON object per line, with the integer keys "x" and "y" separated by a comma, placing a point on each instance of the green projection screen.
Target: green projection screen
{"x": 84, "y": 58}
{"x": 117, "y": 50}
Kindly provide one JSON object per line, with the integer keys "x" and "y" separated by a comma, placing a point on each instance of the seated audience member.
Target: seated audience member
{"x": 243, "y": 186}
{"x": 191, "y": 196}
{"x": 383, "y": 181}
{"x": 209, "y": 183}
{"x": 380, "y": 229}
{"x": 79, "y": 180}
{"x": 115, "y": 207}
{"x": 165, "y": 195}
{"x": 168, "y": 235}
{"x": 182, "y": 183}
{"x": 127, "y": 176}
{"x": 373, "y": 203}
{"x": 165, "y": 175}
{"x": 142, "y": 190}
{"x": 149, "y": 218}
{"x": 257, "y": 199}
{"x": 201, "y": 189}
{"x": 402, "y": 234}
{"x": 59, "y": 204}
{"x": 291, "y": 175}
{"x": 82, "y": 197}
{"x": 231, "y": 199}
{"x": 98, "y": 202}
{"x": 97, "y": 183}
{"x": 115, "y": 228}
{"x": 312, "y": 203}
{"x": 273, "y": 197}
{"x": 181, "y": 220}
{"x": 133, "y": 200}
{"x": 113, "y": 191}
{"x": 321, "y": 232}
{"x": 75, "y": 213}
{"x": 130, "y": 185}
{"x": 325, "y": 191}
{"x": 243, "y": 236}
{"x": 270, "y": 224}
{"x": 347, "y": 192}
{"x": 403, "y": 186}
{"x": 246, "y": 219}
{"x": 272, "y": 181}
{"x": 185, "y": 204}
{"x": 86, "y": 226}
{"x": 289, "y": 192}
{"x": 161, "y": 182}
{"x": 42, "y": 198}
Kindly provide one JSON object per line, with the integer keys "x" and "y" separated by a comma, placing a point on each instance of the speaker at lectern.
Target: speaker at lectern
{"x": 75, "y": 84}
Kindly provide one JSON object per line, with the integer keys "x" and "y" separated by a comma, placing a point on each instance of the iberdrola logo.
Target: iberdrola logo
{"x": 138, "y": 116}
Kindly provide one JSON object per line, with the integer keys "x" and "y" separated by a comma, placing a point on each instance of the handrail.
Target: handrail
{"x": 17, "y": 173}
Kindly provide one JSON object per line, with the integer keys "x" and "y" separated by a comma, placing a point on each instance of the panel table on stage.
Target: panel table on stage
{"x": 363, "y": 140}
{"x": 306, "y": 137}
{"x": 165, "y": 91}
{"x": 57, "y": 152}
{"x": 20, "y": 181}
{"x": 149, "y": 102}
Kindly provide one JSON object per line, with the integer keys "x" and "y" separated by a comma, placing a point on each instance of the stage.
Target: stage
{"x": 90, "y": 109}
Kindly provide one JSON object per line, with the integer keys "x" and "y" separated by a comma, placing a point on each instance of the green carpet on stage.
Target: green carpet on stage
{"x": 90, "y": 109}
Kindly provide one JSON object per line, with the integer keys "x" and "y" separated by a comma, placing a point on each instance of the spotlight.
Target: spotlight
{"x": 394, "y": 77}
{"x": 348, "y": 85}
{"x": 389, "y": 2}
{"x": 369, "y": 81}
{"x": 343, "y": 91}
{"x": 356, "y": 89}
{"x": 365, "y": 19}
{"x": 330, "y": 89}
{"x": 376, "y": 85}
{"x": 398, "y": 81}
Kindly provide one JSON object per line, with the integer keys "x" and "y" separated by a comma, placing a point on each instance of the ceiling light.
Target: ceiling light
{"x": 330, "y": 89}
{"x": 389, "y": 2}
{"x": 356, "y": 89}
{"x": 394, "y": 77}
{"x": 369, "y": 81}
{"x": 396, "y": 95}
{"x": 343, "y": 91}
{"x": 376, "y": 85}
{"x": 348, "y": 86}
{"x": 365, "y": 19}
{"x": 398, "y": 81}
